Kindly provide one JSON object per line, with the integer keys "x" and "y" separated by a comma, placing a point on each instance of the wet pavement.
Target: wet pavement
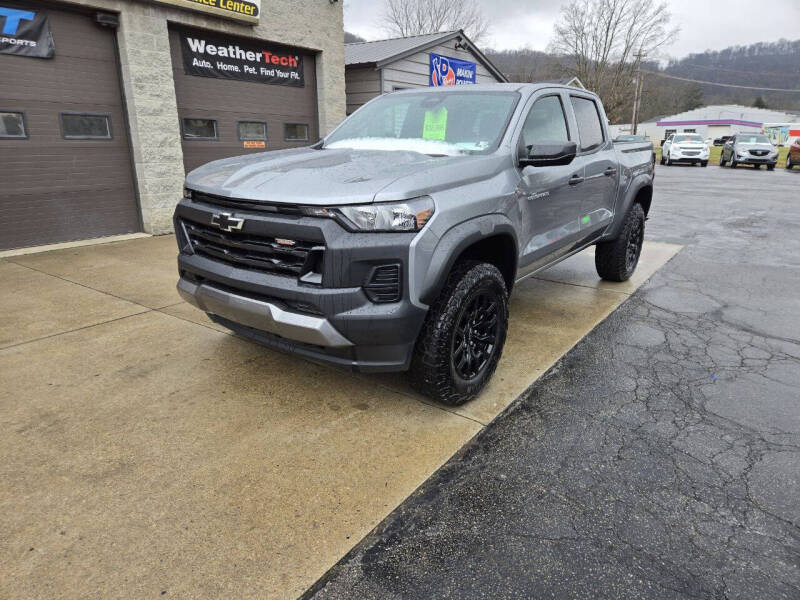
{"x": 660, "y": 458}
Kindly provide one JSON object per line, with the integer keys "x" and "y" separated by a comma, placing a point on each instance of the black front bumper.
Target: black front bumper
{"x": 377, "y": 336}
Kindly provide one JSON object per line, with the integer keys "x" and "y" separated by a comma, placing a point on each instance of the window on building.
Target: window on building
{"x": 545, "y": 123}
{"x": 295, "y": 132}
{"x": 12, "y": 125}
{"x": 690, "y": 131}
{"x": 252, "y": 130}
{"x": 590, "y": 128}
{"x": 85, "y": 127}
{"x": 200, "y": 129}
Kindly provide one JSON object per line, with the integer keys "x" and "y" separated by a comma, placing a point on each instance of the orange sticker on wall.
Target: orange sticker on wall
{"x": 252, "y": 144}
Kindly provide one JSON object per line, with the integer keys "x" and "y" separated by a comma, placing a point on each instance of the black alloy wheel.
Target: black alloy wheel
{"x": 476, "y": 335}
{"x": 634, "y": 246}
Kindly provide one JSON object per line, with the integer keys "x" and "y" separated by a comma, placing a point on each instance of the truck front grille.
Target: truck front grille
{"x": 258, "y": 253}
{"x": 759, "y": 152}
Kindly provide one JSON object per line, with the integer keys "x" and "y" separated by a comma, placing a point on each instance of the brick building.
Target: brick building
{"x": 105, "y": 104}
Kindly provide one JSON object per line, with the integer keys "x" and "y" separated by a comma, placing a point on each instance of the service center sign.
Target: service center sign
{"x": 241, "y": 10}
{"x": 208, "y": 55}
{"x": 451, "y": 71}
{"x": 25, "y": 33}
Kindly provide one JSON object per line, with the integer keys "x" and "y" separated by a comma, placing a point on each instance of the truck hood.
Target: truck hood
{"x": 336, "y": 176}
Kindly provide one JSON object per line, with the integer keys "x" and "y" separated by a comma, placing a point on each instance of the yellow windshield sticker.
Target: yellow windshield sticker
{"x": 435, "y": 126}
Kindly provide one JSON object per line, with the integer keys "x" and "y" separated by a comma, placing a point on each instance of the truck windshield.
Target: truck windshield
{"x": 441, "y": 123}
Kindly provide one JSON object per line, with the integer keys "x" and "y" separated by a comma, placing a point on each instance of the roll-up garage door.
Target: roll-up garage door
{"x": 241, "y": 95}
{"x": 64, "y": 153}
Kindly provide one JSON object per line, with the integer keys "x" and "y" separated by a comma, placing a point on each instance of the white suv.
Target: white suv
{"x": 685, "y": 147}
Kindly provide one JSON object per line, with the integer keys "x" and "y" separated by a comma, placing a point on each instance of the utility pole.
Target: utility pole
{"x": 638, "y": 85}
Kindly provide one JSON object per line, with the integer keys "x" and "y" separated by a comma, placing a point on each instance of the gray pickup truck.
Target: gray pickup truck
{"x": 394, "y": 243}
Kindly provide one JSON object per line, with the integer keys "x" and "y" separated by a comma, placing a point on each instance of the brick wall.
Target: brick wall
{"x": 150, "y": 93}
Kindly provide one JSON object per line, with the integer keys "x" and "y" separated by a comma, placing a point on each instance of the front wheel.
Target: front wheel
{"x": 770, "y": 167}
{"x": 789, "y": 162}
{"x": 703, "y": 163}
{"x": 616, "y": 260}
{"x": 461, "y": 341}
{"x": 722, "y": 160}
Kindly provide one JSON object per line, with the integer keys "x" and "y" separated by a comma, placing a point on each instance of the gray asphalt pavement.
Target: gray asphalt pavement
{"x": 660, "y": 458}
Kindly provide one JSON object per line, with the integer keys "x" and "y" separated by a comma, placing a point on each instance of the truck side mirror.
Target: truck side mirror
{"x": 549, "y": 154}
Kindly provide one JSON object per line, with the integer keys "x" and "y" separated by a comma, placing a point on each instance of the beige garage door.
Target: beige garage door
{"x": 238, "y": 95}
{"x": 66, "y": 165}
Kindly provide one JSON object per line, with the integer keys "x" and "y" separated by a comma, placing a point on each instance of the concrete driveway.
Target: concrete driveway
{"x": 147, "y": 452}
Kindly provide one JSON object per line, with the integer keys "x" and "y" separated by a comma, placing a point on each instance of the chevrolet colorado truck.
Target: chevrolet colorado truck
{"x": 393, "y": 243}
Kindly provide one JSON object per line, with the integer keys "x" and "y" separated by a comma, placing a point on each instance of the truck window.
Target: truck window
{"x": 589, "y": 127}
{"x": 545, "y": 123}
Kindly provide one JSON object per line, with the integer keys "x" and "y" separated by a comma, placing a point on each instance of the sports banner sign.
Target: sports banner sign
{"x": 212, "y": 55}
{"x": 451, "y": 71}
{"x": 25, "y": 32}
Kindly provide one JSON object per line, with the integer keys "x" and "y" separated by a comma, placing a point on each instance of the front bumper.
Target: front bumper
{"x": 749, "y": 159}
{"x": 689, "y": 156}
{"x": 331, "y": 320}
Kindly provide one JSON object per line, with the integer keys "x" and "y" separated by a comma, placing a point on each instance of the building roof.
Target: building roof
{"x": 383, "y": 52}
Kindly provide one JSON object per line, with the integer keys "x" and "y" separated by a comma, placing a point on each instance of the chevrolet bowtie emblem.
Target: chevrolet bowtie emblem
{"x": 226, "y": 222}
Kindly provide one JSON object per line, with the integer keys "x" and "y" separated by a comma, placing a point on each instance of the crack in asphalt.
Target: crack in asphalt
{"x": 660, "y": 458}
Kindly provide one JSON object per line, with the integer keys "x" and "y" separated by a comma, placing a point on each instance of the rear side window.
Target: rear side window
{"x": 589, "y": 127}
{"x": 12, "y": 125}
{"x": 85, "y": 127}
{"x": 545, "y": 123}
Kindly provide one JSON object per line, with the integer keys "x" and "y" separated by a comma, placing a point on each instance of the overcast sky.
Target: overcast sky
{"x": 704, "y": 24}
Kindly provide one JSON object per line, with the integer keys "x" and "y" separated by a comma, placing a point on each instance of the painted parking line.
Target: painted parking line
{"x": 154, "y": 453}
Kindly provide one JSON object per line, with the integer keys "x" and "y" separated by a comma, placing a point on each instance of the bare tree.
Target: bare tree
{"x": 605, "y": 40}
{"x": 416, "y": 17}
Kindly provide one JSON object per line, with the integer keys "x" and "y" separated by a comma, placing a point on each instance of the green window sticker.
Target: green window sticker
{"x": 435, "y": 125}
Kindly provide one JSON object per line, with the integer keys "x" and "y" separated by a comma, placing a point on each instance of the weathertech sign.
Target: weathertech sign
{"x": 207, "y": 55}
{"x": 242, "y": 10}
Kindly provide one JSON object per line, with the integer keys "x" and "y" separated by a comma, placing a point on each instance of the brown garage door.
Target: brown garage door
{"x": 70, "y": 177}
{"x": 223, "y": 117}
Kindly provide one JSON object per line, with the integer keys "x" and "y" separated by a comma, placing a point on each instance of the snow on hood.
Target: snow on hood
{"x": 403, "y": 144}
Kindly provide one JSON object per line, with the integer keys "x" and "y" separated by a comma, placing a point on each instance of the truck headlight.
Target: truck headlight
{"x": 409, "y": 215}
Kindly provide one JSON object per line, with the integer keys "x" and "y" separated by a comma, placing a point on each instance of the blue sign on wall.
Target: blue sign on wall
{"x": 451, "y": 71}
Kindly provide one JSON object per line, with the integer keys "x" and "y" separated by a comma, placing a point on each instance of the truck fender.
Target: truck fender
{"x": 453, "y": 243}
{"x": 640, "y": 182}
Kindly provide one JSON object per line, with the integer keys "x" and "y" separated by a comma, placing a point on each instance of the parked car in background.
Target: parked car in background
{"x": 749, "y": 149}
{"x": 720, "y": 141}
{"x": 685, "y": 147}
{"x": 793, "y": 158}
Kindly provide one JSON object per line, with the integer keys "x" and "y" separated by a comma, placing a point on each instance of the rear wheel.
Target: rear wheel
{"x": 616, "y": 260}
{"x": 462, "y": 338}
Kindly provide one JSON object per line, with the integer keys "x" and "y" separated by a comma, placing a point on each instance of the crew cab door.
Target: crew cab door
{"x": 598, "y": 158}
{"x": 548, "y": 197}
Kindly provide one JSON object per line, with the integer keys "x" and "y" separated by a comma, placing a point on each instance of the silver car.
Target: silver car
{"x": 749, "y": 149}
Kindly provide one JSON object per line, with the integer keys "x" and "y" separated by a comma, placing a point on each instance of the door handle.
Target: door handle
{"x": 610, "y": 172}
{"x": 575, "y": 179}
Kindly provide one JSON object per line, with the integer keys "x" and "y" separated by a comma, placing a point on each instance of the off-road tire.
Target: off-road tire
{"x": 433, "y": 373}
{"x": 612, "y": 259}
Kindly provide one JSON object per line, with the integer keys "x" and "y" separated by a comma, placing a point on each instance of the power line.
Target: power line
{"x": 728, "y": 85}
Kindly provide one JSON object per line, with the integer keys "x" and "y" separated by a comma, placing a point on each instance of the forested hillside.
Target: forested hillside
{"x": 768, "y": 64}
